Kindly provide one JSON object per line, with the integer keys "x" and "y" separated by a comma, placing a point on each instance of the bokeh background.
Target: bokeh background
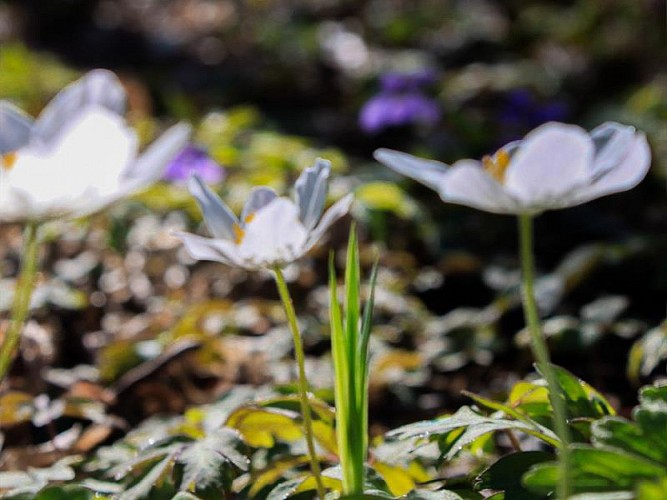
{"x": 126, "y": 322}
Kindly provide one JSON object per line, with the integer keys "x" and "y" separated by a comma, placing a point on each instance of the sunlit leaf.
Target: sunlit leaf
{"x": 275, "y": 471}
{"x": 207, "y": 460}
{"x": 15, "y": 408}
{"x": 259, "y": 427}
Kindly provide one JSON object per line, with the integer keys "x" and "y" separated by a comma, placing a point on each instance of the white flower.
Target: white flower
{"x": 554, "y": 166}
{"x": 79, "y": 155}
{"x": 272, "y": 231}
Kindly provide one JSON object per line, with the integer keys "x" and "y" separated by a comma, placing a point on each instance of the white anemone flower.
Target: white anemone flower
{"x": 554, "y": 166}
{"x": 79, "y": 155}
{"x": 273, "y": 231}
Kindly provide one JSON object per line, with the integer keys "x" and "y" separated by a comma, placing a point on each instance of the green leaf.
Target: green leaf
{"x": 185, "y": 495}
{"x": 617, "y": 495}
{"x": 349, "y": 347}
{"x": 299, "y": 485}
{"x": 595, "y": 470}
{"x": 645, "y": 441}
{"x": 148, "y": 481}
{"x": 540, "y": 431}
{"x": 654, "y": 396}
{"x": 34, "y": 479}
{"x": 652, "y": 490}
{"x": 274, "y": 471}
{"x": 71, "y": 492}
{"x": 506, "y": 474}
{"x": 474, "y": 425}
{"x": 261, "y": 426}
{"x": 647, "y": 353}
{"x": 432, "y": 495}
{"x": 647, "y": 435}
{"x": 581, "y": 399}
{"x": 207, "y": 461}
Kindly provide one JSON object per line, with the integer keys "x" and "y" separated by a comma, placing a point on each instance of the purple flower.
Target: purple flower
{"x": 194, "y": 159}
{"x": 400, "y": 102}
{"x": 522, "y": 111}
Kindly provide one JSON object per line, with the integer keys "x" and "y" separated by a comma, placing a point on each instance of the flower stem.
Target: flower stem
{"x": 541, "y": 353}
{"x": 303, "y": 382}
{"x": 22, "y": 294}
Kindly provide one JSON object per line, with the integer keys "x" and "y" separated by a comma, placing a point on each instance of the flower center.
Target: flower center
{"x": 239, "y": 232}
{"x": 8, "y": 160}
{"x": 496, "y": 165}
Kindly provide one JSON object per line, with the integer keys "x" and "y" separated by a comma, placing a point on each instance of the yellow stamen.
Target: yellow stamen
{"x": 238, "y": 234}
{"x": 497, "y": 165}
{"x": 8, "y": 160}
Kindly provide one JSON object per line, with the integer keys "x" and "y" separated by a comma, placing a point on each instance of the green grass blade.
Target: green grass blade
{"x": 367, "y": 320}
{"x": 362, "y": 364}
{"x": 341, "y": 379}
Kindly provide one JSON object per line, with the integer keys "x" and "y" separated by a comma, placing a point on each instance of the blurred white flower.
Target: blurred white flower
{"x": 79, "y": 155}
{"x": 272, "y": 231}
{"x": 554, "y": 166}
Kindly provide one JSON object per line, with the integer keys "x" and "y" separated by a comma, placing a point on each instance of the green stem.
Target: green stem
{"x": 22, "y": 294}
{"x": 303, "y": 382}
{"x": 541, "y": 352}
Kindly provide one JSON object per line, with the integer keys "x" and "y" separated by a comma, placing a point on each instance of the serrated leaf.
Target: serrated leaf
{"x": 475, "y": 426}
{"x": 595, "y": 470}
{"x": 620, "y": 433}
{"x": 144, "y": 459}
{"x": 646, "y": 436}
{"x": 15, "y": 479}
{"x": 206, "y": 461}
{"x": 149, "y": 480}
{"x": 286, "y": 489}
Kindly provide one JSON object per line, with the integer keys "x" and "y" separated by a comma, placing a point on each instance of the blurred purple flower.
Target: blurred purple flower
{"x": 194, "y": 159}
{"x": 400, "y": 102}
{"x": 521, "y": 111}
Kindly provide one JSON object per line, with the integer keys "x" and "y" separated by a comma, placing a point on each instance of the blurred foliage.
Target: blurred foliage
{"x": 126, "y": 327}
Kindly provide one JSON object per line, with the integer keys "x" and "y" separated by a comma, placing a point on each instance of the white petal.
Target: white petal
{"x": 152, "y": 162}
{"x": 15, "y": 128}
{"x": 219, "y": 218}
{"x": 259, "y": 198}
{"x": 625, "y": 175}
{"x": 274, "y": 237}
{"x": 206, "y": 248}
{"x": 98, "y": 88}
{"x": 612, "y": 142}
{"x": 552, "y": 160}
{"x": 80, "y": 171}
{"x": 428, "y": 172}
{"x": 311, "y": 192}
{"x": 466, "y": 183}
{"x": 337, "y": 210}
